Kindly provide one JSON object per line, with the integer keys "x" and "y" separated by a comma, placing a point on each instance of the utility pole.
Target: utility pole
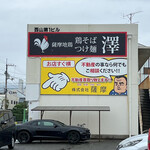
{"x": 6, "y": 78}
{"x": 6, "y": 74}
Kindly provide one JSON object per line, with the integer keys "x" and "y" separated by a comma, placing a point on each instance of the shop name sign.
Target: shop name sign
{"x": 77, "y": 44}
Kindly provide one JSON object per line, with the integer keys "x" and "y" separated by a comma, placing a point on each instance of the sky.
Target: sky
{"x": 16, "y": 14}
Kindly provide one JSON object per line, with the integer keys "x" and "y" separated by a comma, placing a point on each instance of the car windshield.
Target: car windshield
{"x": 145, "y": 131}
{"x": 62, "y": 124}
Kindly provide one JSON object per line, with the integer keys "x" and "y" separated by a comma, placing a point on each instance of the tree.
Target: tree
{"x": 19, "y": 109}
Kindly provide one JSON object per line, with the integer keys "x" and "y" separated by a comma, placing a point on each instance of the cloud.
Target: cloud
{"x": 16, "y": 14}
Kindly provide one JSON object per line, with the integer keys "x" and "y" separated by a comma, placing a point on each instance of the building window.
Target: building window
{"x": 11, "y": 101}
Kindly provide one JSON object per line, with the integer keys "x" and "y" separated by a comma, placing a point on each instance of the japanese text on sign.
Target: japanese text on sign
{"x": 84, "y": 76}
{"x": 58, "y": 63}
{"x": 77, "y": 44}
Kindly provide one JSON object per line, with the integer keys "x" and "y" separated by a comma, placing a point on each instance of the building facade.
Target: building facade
{"x": 85, "y": 65}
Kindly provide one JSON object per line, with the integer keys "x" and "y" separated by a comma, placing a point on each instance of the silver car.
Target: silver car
{"x": 139, "y": 142}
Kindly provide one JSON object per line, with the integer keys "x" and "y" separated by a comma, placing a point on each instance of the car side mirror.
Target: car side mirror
{"x": 3, "y": 122}
{"x": 55, "y": 126}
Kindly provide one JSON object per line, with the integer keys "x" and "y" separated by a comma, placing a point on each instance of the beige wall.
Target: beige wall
{"x": 13, "y": 98}
{"x": 123, "y": 116}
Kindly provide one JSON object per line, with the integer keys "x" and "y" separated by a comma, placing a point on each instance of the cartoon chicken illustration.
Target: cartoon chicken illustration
{"x": 43, "y": 45}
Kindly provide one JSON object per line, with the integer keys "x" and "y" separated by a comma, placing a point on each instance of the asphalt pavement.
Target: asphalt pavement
{"x": 62, "y": 145}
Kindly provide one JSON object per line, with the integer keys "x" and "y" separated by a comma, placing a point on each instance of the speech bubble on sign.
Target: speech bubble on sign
{"x": 97, "y": 67}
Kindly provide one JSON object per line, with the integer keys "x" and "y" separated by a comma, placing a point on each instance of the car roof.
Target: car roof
{"x": 42, "y": 120}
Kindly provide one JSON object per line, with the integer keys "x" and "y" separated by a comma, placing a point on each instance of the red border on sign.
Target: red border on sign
{"x": 76, "y": 55}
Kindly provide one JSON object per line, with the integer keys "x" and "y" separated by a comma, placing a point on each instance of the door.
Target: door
{"x": 48, "y": 129}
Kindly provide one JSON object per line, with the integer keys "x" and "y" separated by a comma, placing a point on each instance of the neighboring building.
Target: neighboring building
{"x": 85, "y": 65}
{"x": 2, "y": 96}
{"x": 14, "y": 95}
{"x": 144, "y": 87}
{"x": 21, "y": 96}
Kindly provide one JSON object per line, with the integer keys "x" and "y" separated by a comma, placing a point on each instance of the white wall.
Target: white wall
{"x": 114, "y": 122}
{"x": 123, "y": 116}
{"x": 32, "y": 114}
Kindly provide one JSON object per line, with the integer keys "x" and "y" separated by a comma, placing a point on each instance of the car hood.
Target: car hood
{"x": 77, "y": 127}
{"x": 134, "y": 138}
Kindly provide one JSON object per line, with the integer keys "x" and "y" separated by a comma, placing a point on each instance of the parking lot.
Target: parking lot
{"x": 62, "y": 145}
